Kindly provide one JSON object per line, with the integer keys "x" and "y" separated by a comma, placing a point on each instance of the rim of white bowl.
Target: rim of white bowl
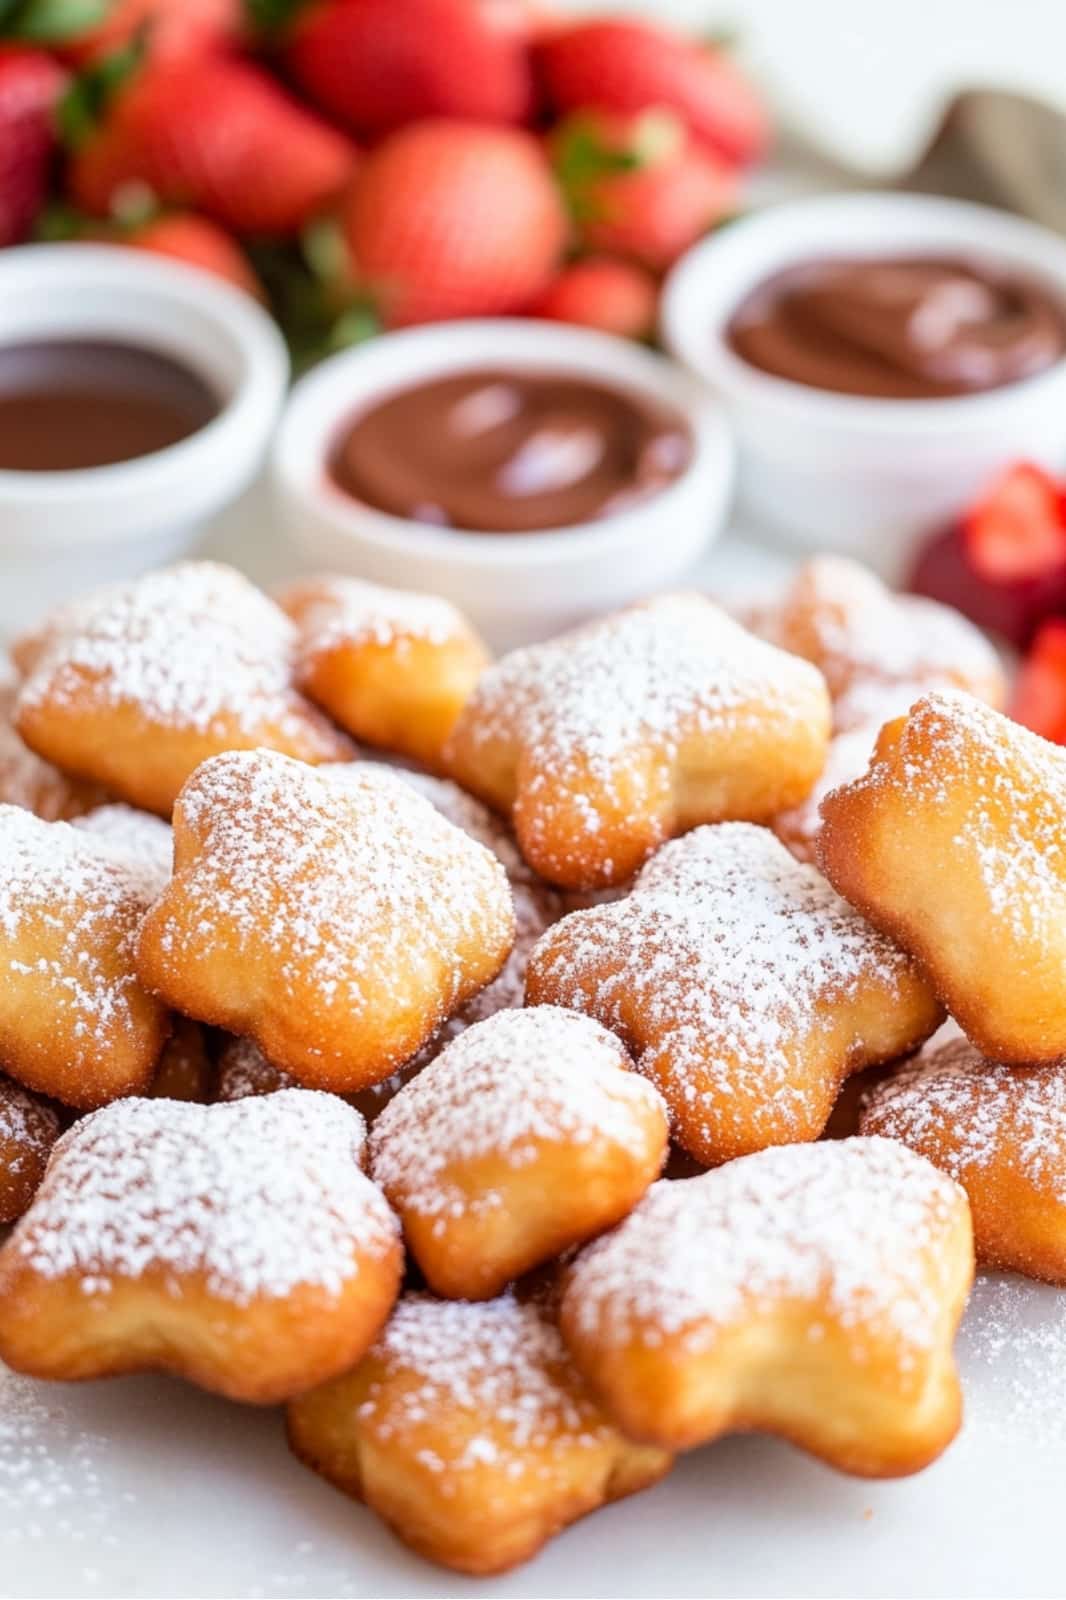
{"x": 339, "y": 388}
{"x": 726, "y": 266}
{"x": 248, "y": 337}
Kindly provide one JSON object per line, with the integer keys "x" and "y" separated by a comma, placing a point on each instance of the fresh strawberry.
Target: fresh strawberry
{"x": 452, "y": 219}
{"x": 600, "y": 292}
{"x": 1040, "y": 693}
{"x": 213, "y": 133}
{"x": 85, "y": 30}
{"x": 628, "y": 66}
{"x": 639, "y": 186}
{"x": 1013, "y": 608}
{"x": 374, "y": 65}
{"x": 1017, "y": 529}
{"x": 30, "y": 85}
{"x": 198, "y": 242}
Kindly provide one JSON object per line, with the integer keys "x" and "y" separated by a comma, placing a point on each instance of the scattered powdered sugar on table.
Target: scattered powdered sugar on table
{"x": 501, "y": 1362}
{"x": 340, "y": 882}
{"x": 194, "y": 647}
{"x": 1012, "y": 1356}
{"x": 847, "y": 758}
{"x": 977, "y": 1113}
{"x": 260, "y": 1196}
{"x": 732, "y": 956}
{"x": 505, "y": 1088}
{"x": 589, "y": 702}
{"x": 851, "y": 1225}
{"x": 61, "y": 886}
{"x": 143, "y": 841}
{"x": 337, "y": 613}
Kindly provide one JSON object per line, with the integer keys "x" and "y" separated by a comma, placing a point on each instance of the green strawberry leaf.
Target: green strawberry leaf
{"x": 85, "y": 104}
{"x": 50, "y": 21}
{"x": 272, "y": 16}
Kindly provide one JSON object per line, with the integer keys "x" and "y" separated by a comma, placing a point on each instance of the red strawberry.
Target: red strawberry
{"x": 629, "y": 66}
{"x": 1040, "y": 693}
{"x": 213, "y": 133}
{"x": 639, "y": 186}
{"x": 30, "y": 85}
{"x": 374, "y": 65}
{"x": 449, "y": 219}
{"x": 614, "y": 296}
{"x": 168, "y": 27}
{"x": 1014, "y": 608}
{"x": 1017, "y": 529}
{"x": 199, "y": 243}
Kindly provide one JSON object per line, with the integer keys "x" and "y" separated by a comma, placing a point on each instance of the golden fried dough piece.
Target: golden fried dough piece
{"x": 525, "y": 1136}
{"x": 135, "y": 686}
{"x": 240, "y": 1246}
{"x": 26, "y": 780}
{"x": 744, "y": 986}
{"x": 1000, "y": 1132}
{"x": 468, "y": 1431}
{"x": 29, "y": 1127}
{"x": 847, "y": 758}
{"x": 877, "y": 650}
{"x": 811, "y": 1291}
{"x": 139, "y": 838}
{"x": 185, "y": 1070}
{"x": 954, "y": 844}
{"x": 244, "y": 1070}
{"x": 75, "y": 1022}
{"x": 610, "y": 739}
{"x": 337, "y": 925}
{"x": 393, "y": 666}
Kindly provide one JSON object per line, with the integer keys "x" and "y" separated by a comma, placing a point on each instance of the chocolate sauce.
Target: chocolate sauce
{"x": 510, "y": 452}
{"x": 70, "y": 404}
{"x": 911, "y": 328}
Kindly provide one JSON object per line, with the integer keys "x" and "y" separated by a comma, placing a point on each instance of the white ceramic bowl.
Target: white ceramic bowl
{"x": 514, "y": 586}
{"x": 61, "y": 532}
{"x": 863, "y": 476}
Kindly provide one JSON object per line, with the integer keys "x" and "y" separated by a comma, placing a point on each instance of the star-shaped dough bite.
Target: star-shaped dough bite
{"x": 605, "y": 742}
{"x": 811, "y": 1291}
{"x": 746, "y": 989}
{"x": 338, "y": 925}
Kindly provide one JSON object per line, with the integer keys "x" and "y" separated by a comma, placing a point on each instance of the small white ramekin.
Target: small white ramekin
{"x": 515, "y": 587}
{"x": 61, "y": 532}
{"x": 864, "y": 476}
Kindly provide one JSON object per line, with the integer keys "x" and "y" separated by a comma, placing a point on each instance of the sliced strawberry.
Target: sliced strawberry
{"x": 1017, "y": 530}
{"x": 1040, "y": 693}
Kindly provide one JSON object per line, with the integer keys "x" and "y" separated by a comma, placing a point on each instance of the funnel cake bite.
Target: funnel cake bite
{"x": 468, "y": 1431}
{"x": 954, "y": 844}
{"x": 29, "y": 1127}
{"x": 337, "y": 925}
{"x": 392, "y": 666}
{"x": 1000, "y": 1132}
{"x": 38, "y": 786}
{"x": 142, "y": 840}
{"x": 241, "y": 1247}
{"x": 133, "y": 687}
{"x": 604, "y": 742}
{"x": 811, "y": 1291}
{"x": 75, "y": 1021}
{"x": 525, "y": 1136}
{"x": 745, "y": 987}
{"x": 878, "y": 651}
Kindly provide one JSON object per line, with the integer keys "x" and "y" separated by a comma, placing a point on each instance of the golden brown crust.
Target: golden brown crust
{"x": 468, "y": 1431}
{"x": 185, "y": 1070}
{"x": 952, "y": 843}
{"x": 29, "y": 1127}
{"x": 394, "y": 668}
{"x": 605, "y": 742}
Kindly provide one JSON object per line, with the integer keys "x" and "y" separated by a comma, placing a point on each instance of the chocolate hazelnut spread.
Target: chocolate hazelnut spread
{"x": 70, "y": 404}
{"x": 911, "y": 328}
{"x": 510, "y": 452}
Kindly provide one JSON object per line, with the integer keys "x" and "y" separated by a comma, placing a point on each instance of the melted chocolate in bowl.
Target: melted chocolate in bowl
{"x": 510, "y": 452}
{"x": 66, "y": 405}
{"x": 912, "y": 328}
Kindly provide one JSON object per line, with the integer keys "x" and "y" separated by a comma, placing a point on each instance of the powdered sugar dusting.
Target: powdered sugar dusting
{"x": 502, "y": 1363}
{"x": 847, "y": 758}
{"x": 142, "y": 841}
{"x": 977, "y": 1114}
{"x": 243, "y": 1070}
{"x": 507, "y": 1086}
{"x": 26, "y": 780}
{"x": 334, "y": 612}
{"x": 733, "y": 954}
{"x": 28, "y": 1128}
{"x": 85, "y": 896}
{"x": 259, "y": 1197}
{"x": 343, "y": 883}
{"x": 194, "y": 647}
{"x": 851, "y": 1224}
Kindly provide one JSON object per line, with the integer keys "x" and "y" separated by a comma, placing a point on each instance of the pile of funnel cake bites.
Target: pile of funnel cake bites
{"x": 338, "y": 1084}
